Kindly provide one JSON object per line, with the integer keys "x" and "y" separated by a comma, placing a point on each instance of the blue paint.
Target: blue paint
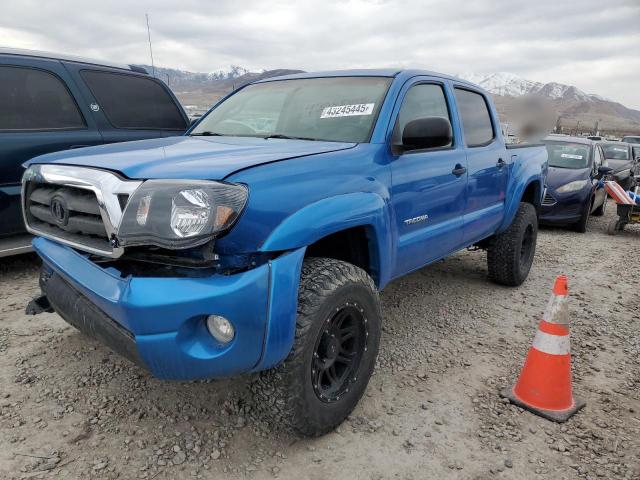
{"x": 299, "y": 192}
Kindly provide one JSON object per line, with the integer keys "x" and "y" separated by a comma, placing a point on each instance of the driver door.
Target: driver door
{"x": 428, "y": 185}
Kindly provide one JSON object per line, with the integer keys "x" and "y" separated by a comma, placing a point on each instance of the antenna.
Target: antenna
{"x": 153, "y": 68}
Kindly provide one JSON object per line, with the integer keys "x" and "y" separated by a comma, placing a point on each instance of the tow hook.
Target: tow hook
{"x": 39, "y": 304}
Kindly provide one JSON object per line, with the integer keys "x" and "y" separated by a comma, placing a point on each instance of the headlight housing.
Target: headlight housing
{"x": 178, "y": 214}
{"x": 572, "y": 186}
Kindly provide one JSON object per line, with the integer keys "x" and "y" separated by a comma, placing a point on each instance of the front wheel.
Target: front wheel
{"x": 334, "y": 351}
{"x": 615, "y": 226}
{"x": 510, "y": 253}
{"x": 581, "y": 225}
{"x": 598, "y": 212}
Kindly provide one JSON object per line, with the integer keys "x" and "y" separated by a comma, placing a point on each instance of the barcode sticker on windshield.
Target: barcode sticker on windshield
{"x": 569, "y": 155}
{"x": 347, "y": 110}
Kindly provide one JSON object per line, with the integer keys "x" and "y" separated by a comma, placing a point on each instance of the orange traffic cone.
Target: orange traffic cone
{"x": 544, "y": 386}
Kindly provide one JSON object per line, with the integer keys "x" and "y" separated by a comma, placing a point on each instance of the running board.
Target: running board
{"x": 15, "y": 245}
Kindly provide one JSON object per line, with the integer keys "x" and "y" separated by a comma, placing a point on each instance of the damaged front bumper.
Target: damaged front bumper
{"x": 159, "y": 323}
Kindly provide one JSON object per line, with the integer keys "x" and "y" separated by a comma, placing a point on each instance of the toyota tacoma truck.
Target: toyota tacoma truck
{"x": 259, "y": 240}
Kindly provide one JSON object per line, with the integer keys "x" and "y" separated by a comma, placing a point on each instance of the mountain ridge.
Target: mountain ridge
{"x": 197, "y": 91}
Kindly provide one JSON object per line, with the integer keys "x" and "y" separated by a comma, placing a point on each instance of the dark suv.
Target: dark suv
{"x": 50, "y": 102}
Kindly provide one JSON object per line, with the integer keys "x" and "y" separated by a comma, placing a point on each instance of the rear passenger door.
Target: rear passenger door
{"x": 487, "y": 165}
{"x": 38, "y": 114}
{"x": 129, "y": 106}
{"x": 428, "y": 186}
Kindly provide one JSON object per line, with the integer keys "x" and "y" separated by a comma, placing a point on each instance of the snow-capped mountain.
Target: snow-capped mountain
{"x": 511, "y": 85}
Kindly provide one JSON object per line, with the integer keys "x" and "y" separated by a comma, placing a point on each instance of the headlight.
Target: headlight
{"x": 572, "y": 186}
{"x": 180, "y": 214}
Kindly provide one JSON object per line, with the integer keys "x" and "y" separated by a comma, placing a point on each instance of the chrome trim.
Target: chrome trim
{"x": 548, "y": 200}
{"x": 105, "y": 185}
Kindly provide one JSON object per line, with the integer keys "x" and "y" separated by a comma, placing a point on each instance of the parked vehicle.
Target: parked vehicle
{"x": 259, "y": 241}
{"x": 575, "y": 189}
{"x": 621, "y": 159}
{"x": 51, "y": 102}
{"x": 631, "y": 139}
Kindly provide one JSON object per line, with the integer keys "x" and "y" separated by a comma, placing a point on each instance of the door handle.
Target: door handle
{"x": 77, "y": 146}
{"x": 459, "y": 170}
{"x": 501, "y": 163}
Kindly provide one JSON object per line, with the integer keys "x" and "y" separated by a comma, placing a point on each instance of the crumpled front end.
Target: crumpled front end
{"x": 160, "y": 322}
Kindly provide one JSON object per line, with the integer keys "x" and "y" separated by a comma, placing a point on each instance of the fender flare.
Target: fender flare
{"x": 334, "y": 214}
{"x": 516, "y": 196}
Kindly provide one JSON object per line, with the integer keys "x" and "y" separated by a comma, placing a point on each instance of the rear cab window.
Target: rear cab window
{"x": 475, "y": 117}
{"x": 134, "y": 102}
{"x": 34, "y": 100}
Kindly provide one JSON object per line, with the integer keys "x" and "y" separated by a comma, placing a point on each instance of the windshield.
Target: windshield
{"x": 616, "y": 152}
{"x": 339, "y": 109}
{"x": 568, "y": 155}
{"x": 631, "y": 139}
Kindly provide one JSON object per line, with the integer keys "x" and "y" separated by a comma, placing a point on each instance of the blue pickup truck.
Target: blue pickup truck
{"x": 258, "y": 241}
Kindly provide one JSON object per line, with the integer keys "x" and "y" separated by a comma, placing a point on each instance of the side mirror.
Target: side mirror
{"x": 428, "y": 132}
{"x": 604, "y": 171}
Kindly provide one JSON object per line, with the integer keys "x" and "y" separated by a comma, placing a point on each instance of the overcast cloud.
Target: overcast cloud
{"x": 594, "y": 45}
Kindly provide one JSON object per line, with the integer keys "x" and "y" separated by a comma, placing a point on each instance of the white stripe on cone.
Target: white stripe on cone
{"x": 557, "y": 310}
{"x": 551, "y": 344}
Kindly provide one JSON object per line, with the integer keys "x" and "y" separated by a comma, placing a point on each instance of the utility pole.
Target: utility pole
{"x": 153, "y": 67}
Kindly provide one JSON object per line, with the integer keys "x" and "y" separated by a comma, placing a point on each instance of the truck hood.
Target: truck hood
{"x": 197, "y": 158}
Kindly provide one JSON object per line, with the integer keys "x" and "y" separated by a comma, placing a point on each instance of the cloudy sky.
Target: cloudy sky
{"x": 592, "y": 44}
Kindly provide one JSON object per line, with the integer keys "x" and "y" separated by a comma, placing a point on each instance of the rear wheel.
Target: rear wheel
{"x": 334, "y": 351}
{"x": 510, "y": 254}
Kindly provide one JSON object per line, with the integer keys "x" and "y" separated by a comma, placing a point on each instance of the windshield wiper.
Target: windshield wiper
{"x": 287, "y": 137}
{"x": 206, "y": 134}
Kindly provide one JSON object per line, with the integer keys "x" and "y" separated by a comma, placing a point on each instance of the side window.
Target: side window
{"x": 476, "y": 120}
{"x": 33, "y": 99}
{"x": 130, "y": 101}
{"x": 422, "y": 100}
{"x": 597, "y": 158}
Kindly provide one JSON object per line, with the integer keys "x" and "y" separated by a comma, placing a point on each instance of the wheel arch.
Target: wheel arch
{"x": 352, "y": 227}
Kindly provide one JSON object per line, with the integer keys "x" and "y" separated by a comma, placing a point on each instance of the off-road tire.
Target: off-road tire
{"x": 504, "y": 254}
{"x": 286, "y": 393}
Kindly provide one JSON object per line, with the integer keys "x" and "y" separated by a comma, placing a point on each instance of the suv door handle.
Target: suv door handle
{"x": 459, "y": 170}
{"x": 501, "y": 163}
{"x": 77, "y": 146}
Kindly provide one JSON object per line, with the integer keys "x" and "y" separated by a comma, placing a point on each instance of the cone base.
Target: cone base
{"x": 559, "y": 416}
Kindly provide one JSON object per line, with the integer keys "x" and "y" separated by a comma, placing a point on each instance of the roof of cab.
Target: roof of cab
{"x": 69, "y": 58}
{"x": 373, "y": 72}
{"x": 559, "y": 137}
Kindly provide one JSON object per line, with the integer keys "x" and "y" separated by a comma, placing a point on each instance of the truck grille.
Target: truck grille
{"x": 80, "y": 207}
{"x": 548, "y": 200}
{"x": 66, "y": 212}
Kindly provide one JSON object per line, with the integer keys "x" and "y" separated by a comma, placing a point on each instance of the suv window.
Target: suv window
{"x": 476, "y": 120}
{"x": 130, "y": 101}
{"x": 33, "y": 99}
{"x": 422, "y": 100}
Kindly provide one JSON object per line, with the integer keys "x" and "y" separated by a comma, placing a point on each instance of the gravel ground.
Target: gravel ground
{"x": 69, "y": 408}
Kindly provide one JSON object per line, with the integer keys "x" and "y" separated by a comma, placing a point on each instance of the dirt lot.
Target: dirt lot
{"x": 69, "y": 408}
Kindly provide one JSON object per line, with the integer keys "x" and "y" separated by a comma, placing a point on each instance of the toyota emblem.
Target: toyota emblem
{"x": 59, "y": 210}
